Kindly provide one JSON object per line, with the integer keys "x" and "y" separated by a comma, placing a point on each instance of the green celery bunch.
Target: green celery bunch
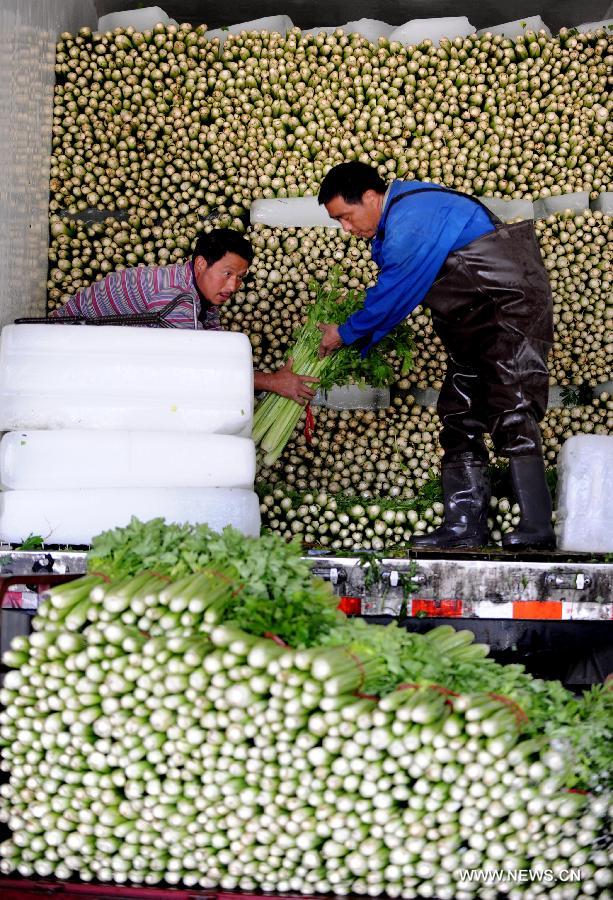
{"x": 276, "y": 417}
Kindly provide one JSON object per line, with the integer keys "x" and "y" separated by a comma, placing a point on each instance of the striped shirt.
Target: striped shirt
{"x": 144, "y": 289}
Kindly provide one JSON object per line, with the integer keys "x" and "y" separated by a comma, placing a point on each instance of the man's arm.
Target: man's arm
{"x": 385, "y": 306}
{"x": 82, "y": 304}
{"x": 410, "y": 265}
{"x": 286, "y": 383}
{"x": 183, "y": 315}
{"x": 414, "y": 250}
{"x": 119, "y": 295}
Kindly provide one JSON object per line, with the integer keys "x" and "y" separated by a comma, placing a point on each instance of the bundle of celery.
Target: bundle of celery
{"x": 276, "y": 417}
{"x": 196, "y": 753}
{"x": 225, "y": 727}
{"x": 261, "y": 583}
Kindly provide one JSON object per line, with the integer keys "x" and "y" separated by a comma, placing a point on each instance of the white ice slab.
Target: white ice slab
{"x": 354, "y": 396}
{"x": 584, "y": 521}
{"x": 603, "y": 203}
{"x": 76, "y": 516}
{"x": 517, "y": 28}
{"x": 578, "y": 201}
{"x": 595, "y": 26}
{"x": 140, "y": 19}
{"x": 509, "y": 209}
{"x": 327, "y": 29}
{"x": 108, "y": 377}
{"x": 371, "y": 29}
{"x": 67, "y": 458}
{"x": 280, "y": 24}
{"x": 418, "y": 30}
{"x": 606, "y": 386}
{"x": 291, "y": 212}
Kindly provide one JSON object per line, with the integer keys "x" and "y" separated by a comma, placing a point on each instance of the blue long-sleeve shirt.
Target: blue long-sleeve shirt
{"x": 420, "y": 232}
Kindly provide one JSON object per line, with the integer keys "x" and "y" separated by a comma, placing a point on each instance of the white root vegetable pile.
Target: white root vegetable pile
{"x": 577, "y": 251}
{"x": 168, "y": 120}
{"x": 160, "y": 135}
{"x": 365, "y": 479}
{"x": 149, "y": 741}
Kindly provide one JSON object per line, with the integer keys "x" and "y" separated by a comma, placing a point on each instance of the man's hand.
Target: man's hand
{"x": 330, "y": 339}
{"x": 287, "y": 383}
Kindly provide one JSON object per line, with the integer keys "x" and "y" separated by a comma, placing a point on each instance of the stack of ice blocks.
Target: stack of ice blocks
{"x": 107, "y": 423}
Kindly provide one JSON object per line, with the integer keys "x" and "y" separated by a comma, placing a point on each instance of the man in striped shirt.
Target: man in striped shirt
{"x": 202, "y": 285}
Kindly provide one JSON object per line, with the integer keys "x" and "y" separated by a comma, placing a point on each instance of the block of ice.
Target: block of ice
{"x": 595, "y": 26}
{"x": 517, "y": 28}
{"x": 371, "y": 29}
{"x": 280, "y": 24}
{"x": 291, "y": 212}
{"x": 426, "y": 396}
{"x": 604, "y": 203}
{"x": 584, "y": 521}
{"x": 139, "y": 19}
{"x": 327, "y": 29}
{"x": 354, "y": 396}
{"x": 604, "y": 386}
{"x": 509, "y": 209}
{"x": 546, "y": 206}
{"x": 74, "y": 517}
{"x": 556, "y": 396}
{"x": 418, "y": 30}
{"x": 68, "y": 458}
{"x": 105, "y": 377}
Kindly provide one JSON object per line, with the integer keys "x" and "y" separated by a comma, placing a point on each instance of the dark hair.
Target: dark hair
{"x": 214, "y": 244}
{"x": 350, "y": 181}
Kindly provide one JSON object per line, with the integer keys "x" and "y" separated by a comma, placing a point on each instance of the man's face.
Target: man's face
{"x": 360, "y": 218}
{"x": 219, "y": 280}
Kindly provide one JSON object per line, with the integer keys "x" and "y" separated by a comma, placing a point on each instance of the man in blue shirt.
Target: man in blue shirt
{"x": 491, "y": 305}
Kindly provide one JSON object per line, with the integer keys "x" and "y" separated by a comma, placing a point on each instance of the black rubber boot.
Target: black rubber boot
{"x": 530, "y": 486}
{"x": 466, "y": 496}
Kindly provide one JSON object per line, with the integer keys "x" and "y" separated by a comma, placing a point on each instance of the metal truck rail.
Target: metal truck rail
{"x": 451, "y": 585}
{"x": 553, "y": 611}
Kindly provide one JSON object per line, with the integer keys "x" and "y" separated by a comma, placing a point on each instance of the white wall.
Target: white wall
{"x": 28, "y": 33}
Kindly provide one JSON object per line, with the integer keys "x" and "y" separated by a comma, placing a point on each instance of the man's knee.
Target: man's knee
{"x": 517, "y": 434}
{"x": 456, "y": 442}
